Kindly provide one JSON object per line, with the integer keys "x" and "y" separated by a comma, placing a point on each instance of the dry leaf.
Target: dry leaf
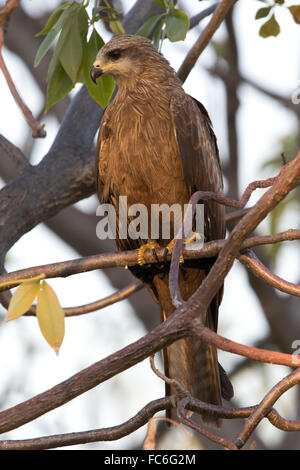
{"x": 50, "y": 316}
{"x": 22, "y": 299}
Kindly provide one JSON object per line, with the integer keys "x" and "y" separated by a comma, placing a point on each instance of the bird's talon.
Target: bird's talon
{"x": 155, "y": 254}
{"x": 196, "y": 236}
{"x": 153, "y": 245}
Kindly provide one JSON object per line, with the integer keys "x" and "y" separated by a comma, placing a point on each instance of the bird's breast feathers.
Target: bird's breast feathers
{"x": 138, "y": 144}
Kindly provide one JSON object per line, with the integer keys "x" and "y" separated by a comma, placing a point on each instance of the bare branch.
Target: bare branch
{"x": 250, "y": 260}
{"x": 121, "y": 294}
{"x": 129, "y": 258}
{"x": 139, "y": 420}
{"x": 195, "y": 20}
{"x": 204, "y": 432}
{"x": 12, "y": 160}
{"x": 9, "y": 7}
{"x": 204, "y": 38}
{"x": 266, "y": 404}
{"x": 37, "y": 128}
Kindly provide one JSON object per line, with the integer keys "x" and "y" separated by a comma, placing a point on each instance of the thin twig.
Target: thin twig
{"x": 195, "y": 20}
{"x": 206, "y": 35}
{"x": 9, "y": 7}
{"x": 257, "y": 354}
{"x": 249, "y": 259}
{"x": 37, "y": 128}
{"x": 121, "y": 294}
{"x": 230, "y": 216}
{"x": 204, "y": 432}
{"x": 149, "y": 441}
{"x": 266, "y": 404}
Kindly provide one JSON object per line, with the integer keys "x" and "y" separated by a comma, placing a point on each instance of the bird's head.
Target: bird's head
{"x": 126, "y": 58}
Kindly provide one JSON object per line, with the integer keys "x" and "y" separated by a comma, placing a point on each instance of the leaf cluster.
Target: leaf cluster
{"x": 73, "y": 33}
{"x": 271, "y": 27}
{"x": 49, "y": 312}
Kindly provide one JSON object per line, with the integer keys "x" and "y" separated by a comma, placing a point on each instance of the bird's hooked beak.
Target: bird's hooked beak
{"x": 96, "y": 72}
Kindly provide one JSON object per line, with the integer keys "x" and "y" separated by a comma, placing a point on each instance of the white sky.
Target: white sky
{"x": 274, "y": 63}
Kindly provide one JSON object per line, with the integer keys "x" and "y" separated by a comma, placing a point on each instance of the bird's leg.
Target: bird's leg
{"x": 150, "y": 245}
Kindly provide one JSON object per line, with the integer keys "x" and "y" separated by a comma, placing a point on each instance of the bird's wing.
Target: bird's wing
{"x": 200, "y": 158}
{"x": 102, "y": 153}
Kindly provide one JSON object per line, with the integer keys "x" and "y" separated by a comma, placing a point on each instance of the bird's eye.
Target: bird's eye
{"x": 115, "y": 54}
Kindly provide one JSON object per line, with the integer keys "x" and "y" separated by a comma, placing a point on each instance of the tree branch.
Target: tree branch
{"x": 250, "y": 260}
{"x": 266, "y": 404}
{"x": 37, "y": 128}
{"x": 129, "y": 258}
{"x": 186, "y": 320}
{"x": 193, "y": 55}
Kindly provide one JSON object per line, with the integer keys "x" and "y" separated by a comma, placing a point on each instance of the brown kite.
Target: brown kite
{"x": 156, "y": 145}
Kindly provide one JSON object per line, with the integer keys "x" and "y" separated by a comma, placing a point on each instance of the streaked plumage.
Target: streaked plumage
{"x": 156, "y": 145}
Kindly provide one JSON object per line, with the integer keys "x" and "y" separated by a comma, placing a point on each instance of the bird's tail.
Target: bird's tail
{"x": 189, "y": 360}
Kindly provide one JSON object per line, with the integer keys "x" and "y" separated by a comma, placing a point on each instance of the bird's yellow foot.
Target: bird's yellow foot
{"x": 150, "y": 245}
{"x": 196, "y": 236}
{"x": 169, "y": 249}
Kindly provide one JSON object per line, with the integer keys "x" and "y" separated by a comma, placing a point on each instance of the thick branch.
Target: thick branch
{"x": 130, "y": 258}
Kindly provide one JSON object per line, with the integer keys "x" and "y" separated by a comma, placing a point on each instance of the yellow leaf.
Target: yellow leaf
{"x": 19, "y": 281}
{"x": 22, "y": 299}
{"x": 50, "y": 316}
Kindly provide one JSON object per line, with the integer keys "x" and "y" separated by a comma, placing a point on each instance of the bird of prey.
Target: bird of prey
{"x": 156, "y": 146}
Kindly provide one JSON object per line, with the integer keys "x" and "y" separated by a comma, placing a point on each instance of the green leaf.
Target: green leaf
{"x": 71, "y": 52}
{"x": 59, "y": 86}
{"x": 83, "y": 22}
{"x": 103, "y": 89}
{"x": 147, "y": 28}
{"x": 270, "y": 28}
{"x": 116, "y": 27}
{"x": 49, "y": 39}
{"x": 50, "y": 316}
{"x": 72, "y": 11}
{"x": 52, "y": 20}
{"x": 81, "y": 75}
{"x": 22, "y": 299}
{"x": 45, "y": 46}
{"x": 262, "y": 12}
{"x": 295, "y": 11}
{"x": 177, "y": 25}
